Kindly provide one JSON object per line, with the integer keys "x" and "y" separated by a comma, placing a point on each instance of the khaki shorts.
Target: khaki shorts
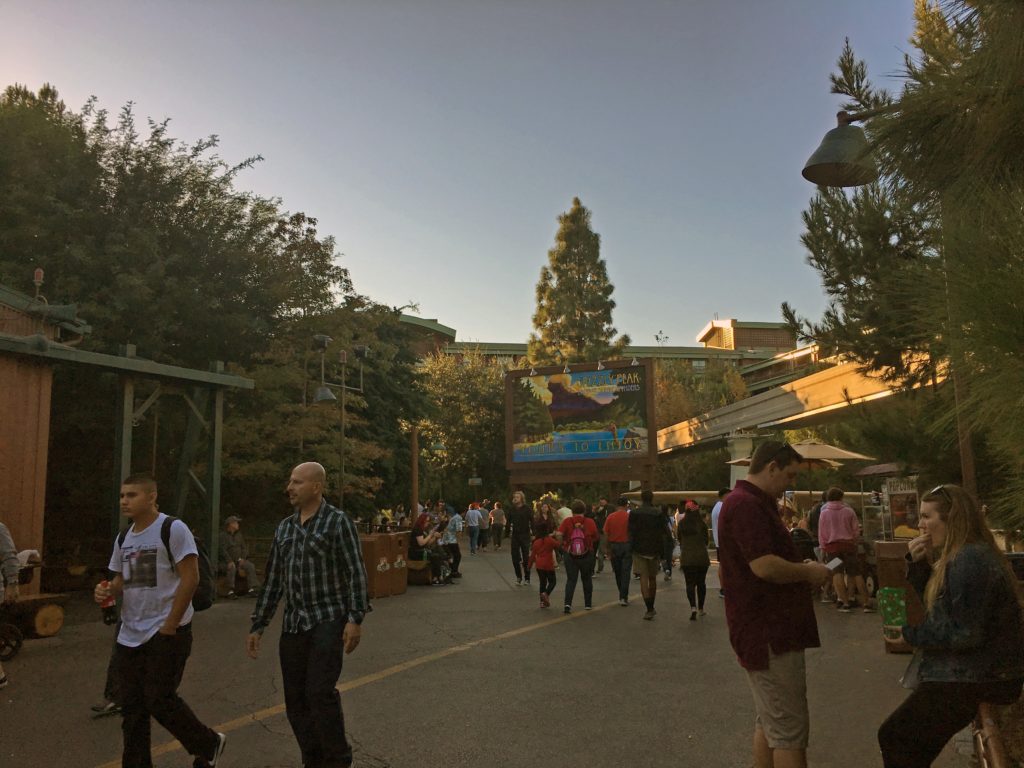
{"x": 647, "y": 565}
{"x": 780, "y": 699}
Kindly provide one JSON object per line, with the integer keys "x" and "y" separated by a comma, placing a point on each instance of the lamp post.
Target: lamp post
{"x": 324, "y": 394}
{"x": 844, "y": 159}
{"x": 438, "y": 453}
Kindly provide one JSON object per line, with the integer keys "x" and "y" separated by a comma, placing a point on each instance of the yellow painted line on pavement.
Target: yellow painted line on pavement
{"x": 359, "y": 682}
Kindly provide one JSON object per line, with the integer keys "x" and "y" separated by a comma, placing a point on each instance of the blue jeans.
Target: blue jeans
{"x": 622, "y": 563}
{"x": 310, "y": 668}
{"x": 474, "y": 537}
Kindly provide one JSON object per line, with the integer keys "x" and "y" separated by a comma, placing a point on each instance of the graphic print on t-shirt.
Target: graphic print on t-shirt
{"x": 139, "y": 568}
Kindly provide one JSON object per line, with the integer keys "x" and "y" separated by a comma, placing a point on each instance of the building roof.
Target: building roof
{"x": 731, "y": 323}
{"x": 64, "y": 316}
{"x": 516, "y": 349}
{"x": 429, "y": 324}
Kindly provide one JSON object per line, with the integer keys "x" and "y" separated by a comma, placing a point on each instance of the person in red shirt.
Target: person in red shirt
{"x": 579, "y": 536}
{"x": 542, "y": 555}
{"x": 617, "y": 548}
{"x": 768, "y": 604}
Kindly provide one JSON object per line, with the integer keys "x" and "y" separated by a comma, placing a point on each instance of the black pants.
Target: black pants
{"x": 310, "y": 667}
{"x": 547, "y": 581}
{"x": 696, "y": 586}
{"x": 150, "y": 675}
{"x": 915, "y": 733}
{"x": 456, "y": 555}
{"x": 666, "y": 555}
{"x": 520, "y": 549}
{"x": 112, "y": 687}
{"x": 622, "y": 562}
{"x": 581, "y": 567}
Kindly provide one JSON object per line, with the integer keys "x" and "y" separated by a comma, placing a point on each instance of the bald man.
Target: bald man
{"x": 316, "y": 554}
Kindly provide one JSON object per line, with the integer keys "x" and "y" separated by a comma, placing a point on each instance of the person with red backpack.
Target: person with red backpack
{"x": 579, "y": 537}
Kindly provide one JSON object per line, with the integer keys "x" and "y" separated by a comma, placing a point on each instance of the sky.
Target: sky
{"x": 438, "y": 140}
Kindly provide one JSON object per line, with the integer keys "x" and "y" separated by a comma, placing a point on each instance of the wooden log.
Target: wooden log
{"x": 37, "y": 616}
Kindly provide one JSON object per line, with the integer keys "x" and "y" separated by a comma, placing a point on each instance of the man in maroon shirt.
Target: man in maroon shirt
{"x": 768, "y": 605}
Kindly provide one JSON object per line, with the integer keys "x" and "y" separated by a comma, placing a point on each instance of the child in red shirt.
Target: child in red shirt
{"x": 542, "y": 553}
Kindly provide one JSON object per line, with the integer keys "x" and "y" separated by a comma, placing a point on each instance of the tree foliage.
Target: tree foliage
{"x": 158, "y": 245}
{"x": 682, "y": 393}
{"x": 464, "y": 435}
{"x": 573, "y": 319}
{"x": 948, "y": 234}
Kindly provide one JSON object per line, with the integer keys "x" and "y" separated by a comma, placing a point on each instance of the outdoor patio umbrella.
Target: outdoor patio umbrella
{"x": 815, "y": 449}
{"x": 807, "y": 463}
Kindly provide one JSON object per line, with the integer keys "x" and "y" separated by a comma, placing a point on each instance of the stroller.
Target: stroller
{"x": 11, "y": 637}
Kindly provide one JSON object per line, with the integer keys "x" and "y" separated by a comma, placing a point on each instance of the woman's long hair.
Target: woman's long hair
{"x": 422, "y": 521}
{"x": 690, "y": 523}
{"x": 964, "y": 525}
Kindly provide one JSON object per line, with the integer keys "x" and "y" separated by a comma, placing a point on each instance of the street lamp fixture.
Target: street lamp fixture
{"x": 324, "y": 393}
{"x": 843, "y": 159}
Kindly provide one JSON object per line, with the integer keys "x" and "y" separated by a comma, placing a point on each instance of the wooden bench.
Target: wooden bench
{"x": 419, "y": 572}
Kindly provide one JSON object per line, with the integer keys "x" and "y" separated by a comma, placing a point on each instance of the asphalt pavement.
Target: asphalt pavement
{"x": 474, "y": 675}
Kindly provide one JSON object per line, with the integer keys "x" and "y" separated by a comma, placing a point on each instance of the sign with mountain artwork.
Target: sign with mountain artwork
{"x": 588, "y": 414}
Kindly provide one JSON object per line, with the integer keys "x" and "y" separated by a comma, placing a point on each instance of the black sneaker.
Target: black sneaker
{"x": 844, "y": 608}
{"x": 568, "y": 609}
{"x": 232, "y": 595}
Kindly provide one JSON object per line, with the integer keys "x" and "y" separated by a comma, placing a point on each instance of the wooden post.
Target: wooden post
{"x": 123, "y": 439}
{"x": 414, "y": 450}
{"x": 213, "y": 463}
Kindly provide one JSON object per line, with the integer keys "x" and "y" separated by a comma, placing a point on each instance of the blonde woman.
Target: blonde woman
{"x": 970, "y": 646}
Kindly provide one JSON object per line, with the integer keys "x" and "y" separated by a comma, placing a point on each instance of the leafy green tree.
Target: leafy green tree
{"x": 573, "y": 319}
{"x": 160, "y": 247}
{"x": 467, "y": 418}
{"x": 681, "y": 393}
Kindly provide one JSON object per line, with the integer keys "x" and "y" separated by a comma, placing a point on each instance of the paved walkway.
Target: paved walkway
{"x": 475, "y": 675}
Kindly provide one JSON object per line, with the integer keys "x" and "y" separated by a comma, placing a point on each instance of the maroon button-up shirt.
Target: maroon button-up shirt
{"x": 761, "y": 615}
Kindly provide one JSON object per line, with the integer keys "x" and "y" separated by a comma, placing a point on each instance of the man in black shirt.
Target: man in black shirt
{"x": 519, "y": 531}
{"x": 647, "y": 531}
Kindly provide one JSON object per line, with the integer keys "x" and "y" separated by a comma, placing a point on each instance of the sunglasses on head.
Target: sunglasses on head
{"x": 940, "y": 490}
{"x": 784, "y": 450}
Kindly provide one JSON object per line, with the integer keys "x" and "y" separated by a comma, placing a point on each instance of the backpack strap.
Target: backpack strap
{"x": 165, "y": 537}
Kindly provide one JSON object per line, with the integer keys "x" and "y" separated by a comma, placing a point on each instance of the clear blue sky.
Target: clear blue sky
{"x": 439, "y": 140}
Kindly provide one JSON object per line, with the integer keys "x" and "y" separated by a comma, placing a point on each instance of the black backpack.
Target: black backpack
{"x": 206, "y": 589}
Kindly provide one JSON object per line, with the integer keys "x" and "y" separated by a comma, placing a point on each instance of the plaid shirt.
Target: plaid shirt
{"x": 318, "y": 568}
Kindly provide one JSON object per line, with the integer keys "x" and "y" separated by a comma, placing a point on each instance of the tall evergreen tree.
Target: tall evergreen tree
{"x": 573, "y": 320}
{"x": 931, "y": 259}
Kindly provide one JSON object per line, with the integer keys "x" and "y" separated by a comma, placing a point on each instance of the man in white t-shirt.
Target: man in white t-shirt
{"x": 156, "y": 627}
